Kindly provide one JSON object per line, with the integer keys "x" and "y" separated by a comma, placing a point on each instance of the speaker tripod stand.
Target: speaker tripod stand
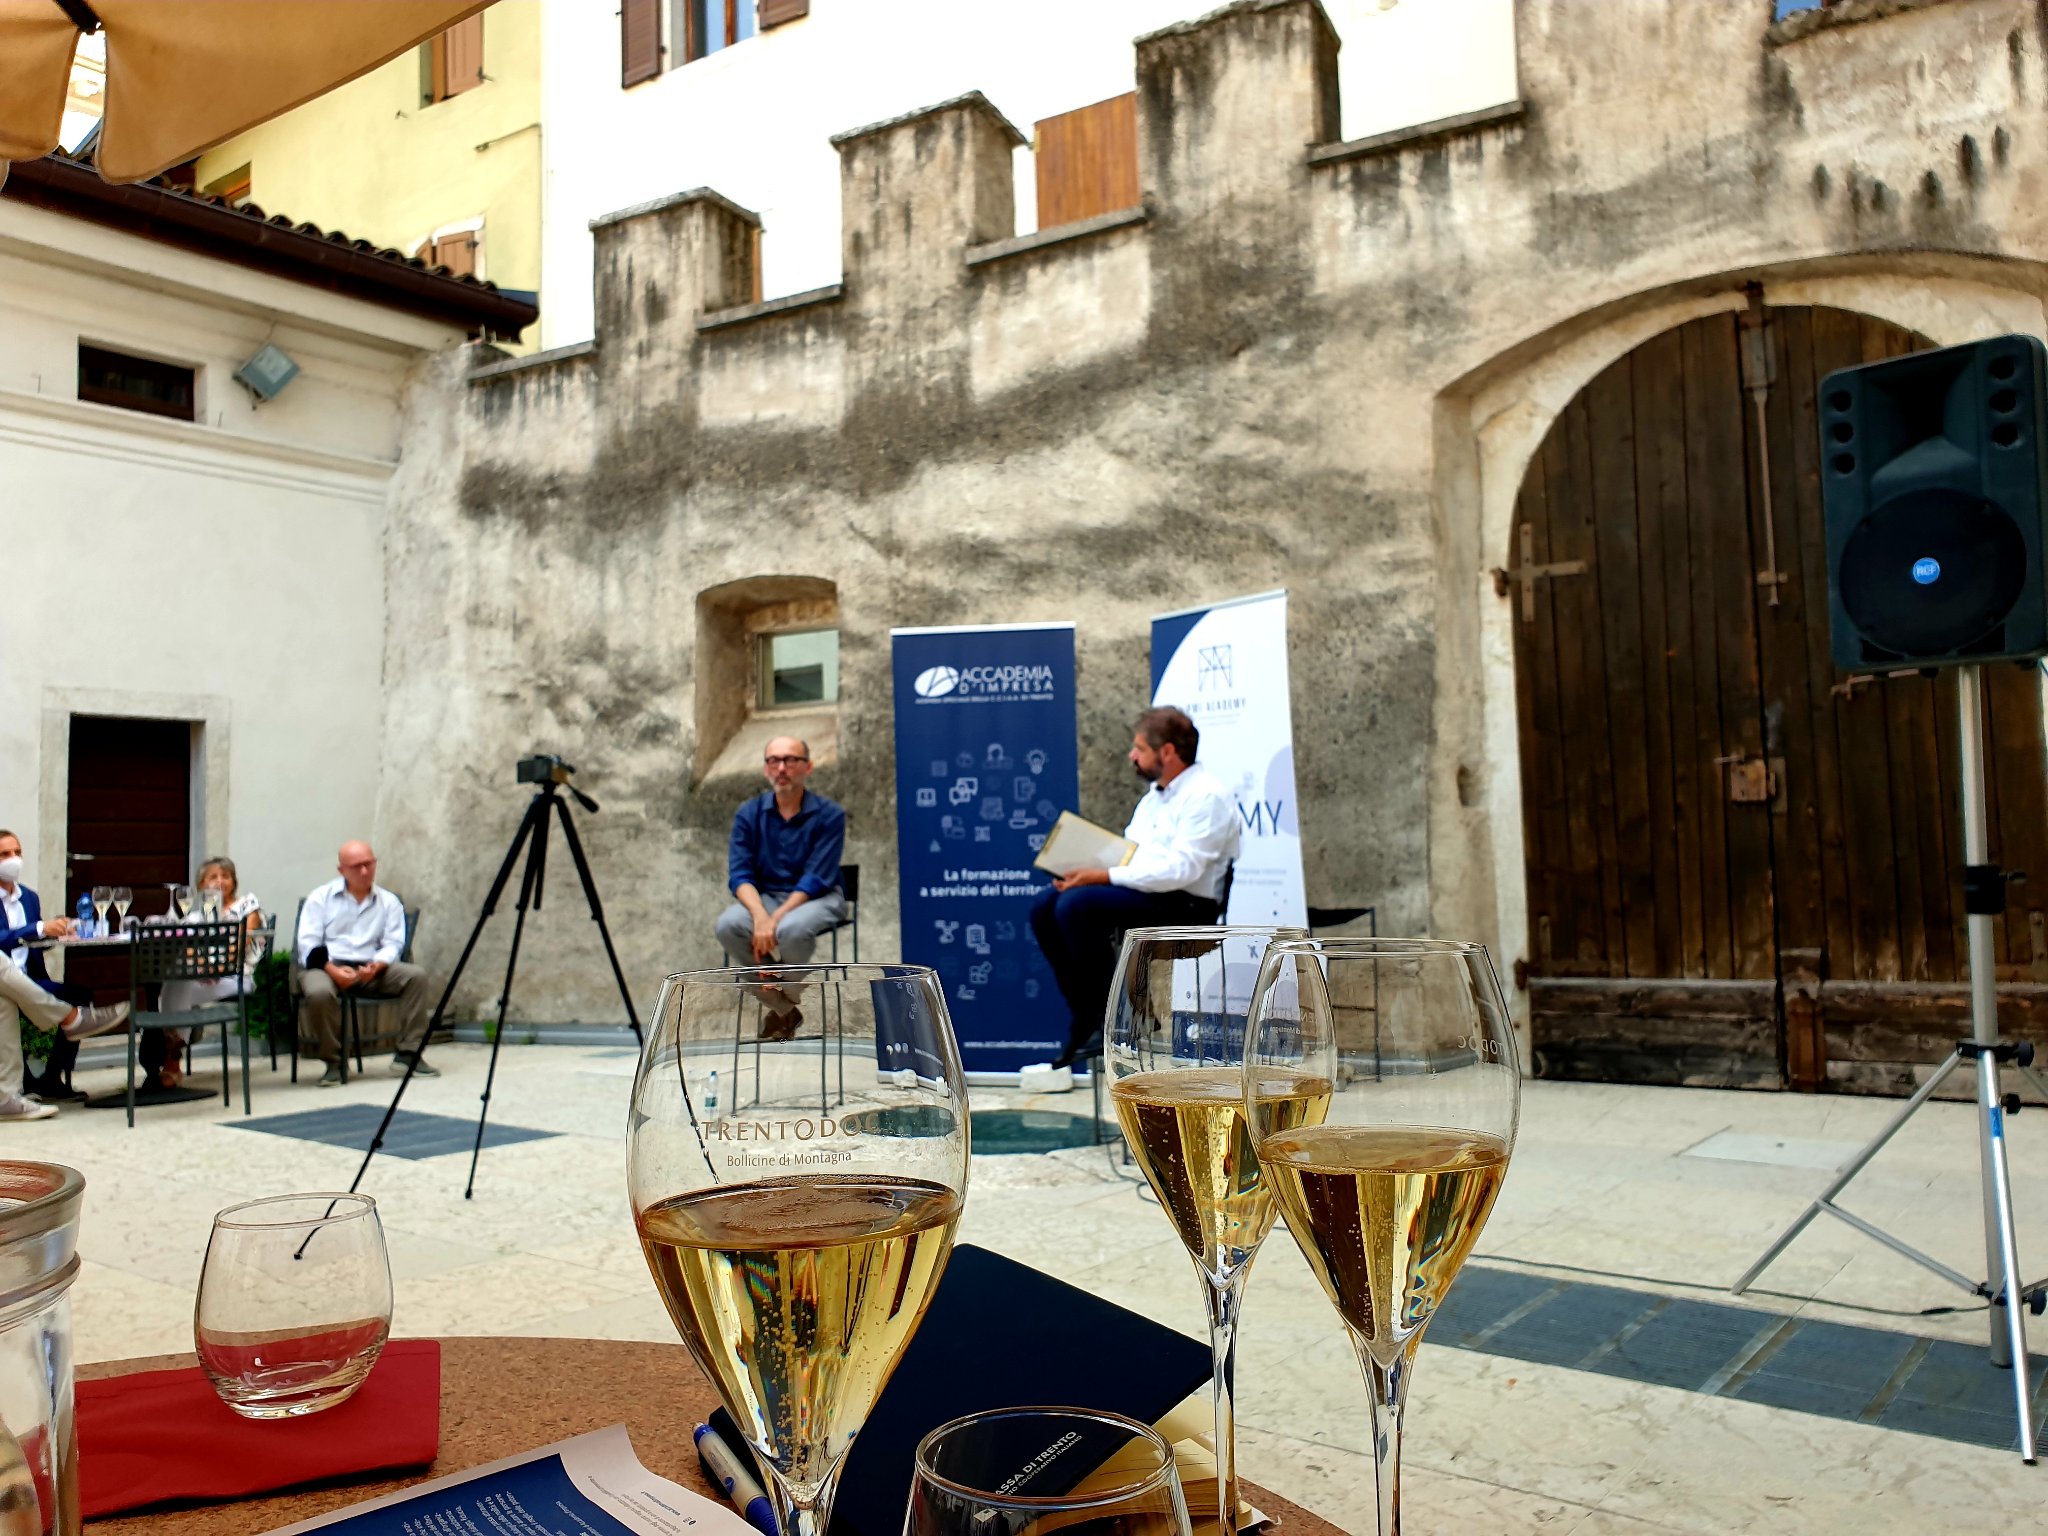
{"x": 1983, "y": 898}
{"x": 533, "y": 837}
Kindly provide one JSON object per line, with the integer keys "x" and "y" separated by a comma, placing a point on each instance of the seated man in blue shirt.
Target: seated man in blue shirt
{"x": 783, "y": 867}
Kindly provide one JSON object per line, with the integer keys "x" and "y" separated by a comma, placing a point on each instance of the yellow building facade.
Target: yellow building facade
{"x": 436, "y": 154}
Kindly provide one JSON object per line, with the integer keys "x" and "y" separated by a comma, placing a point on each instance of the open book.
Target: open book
{"x": 1078, "y": 843}
{"x": 591, "y": 1483}
{"x": 1189, "y": 1430}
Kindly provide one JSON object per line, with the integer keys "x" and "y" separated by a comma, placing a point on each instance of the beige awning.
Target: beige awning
{"x": 183, "y": 75}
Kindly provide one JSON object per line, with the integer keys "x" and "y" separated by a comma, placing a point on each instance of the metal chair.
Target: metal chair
{"x": 350, "y": 1019}
{"x": 352, "y": 1004}
{"x": 1096, "y": 1064}
{"x": 191, "y": 952}
{"x": 849, "y": 887}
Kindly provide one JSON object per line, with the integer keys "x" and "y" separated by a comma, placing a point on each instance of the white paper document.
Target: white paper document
{"x": 1077, "y": 843}
{"x": 592, "y": 1485}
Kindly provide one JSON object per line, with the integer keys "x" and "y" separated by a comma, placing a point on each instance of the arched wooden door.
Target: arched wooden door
{"x": 1743, "y": 870}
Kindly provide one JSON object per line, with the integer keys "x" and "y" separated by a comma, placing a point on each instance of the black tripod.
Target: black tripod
{"x": 533, "y": 836}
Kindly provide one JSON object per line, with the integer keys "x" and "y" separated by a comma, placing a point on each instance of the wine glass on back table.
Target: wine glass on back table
{"x": 102, "y": 898}
{"x": 124, "y": 898}
{"x": 797, "y": 1218}
{"x": 1387, "y": 1193}
{"x": 1173, "y": 1046}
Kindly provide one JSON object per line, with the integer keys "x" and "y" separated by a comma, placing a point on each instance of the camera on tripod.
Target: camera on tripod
{"x": 544, "y": 768}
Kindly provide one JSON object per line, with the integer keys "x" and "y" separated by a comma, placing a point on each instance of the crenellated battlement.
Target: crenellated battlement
{"x": 1250, "y": 197}
{"x": 1228, "y": 107}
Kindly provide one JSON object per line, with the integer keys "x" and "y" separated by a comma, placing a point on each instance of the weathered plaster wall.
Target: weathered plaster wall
{"x": 1311, "y": 365}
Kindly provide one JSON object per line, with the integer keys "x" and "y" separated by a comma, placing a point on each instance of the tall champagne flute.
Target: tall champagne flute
{"x": 124, "y": 898}
{"x": 1173, "y": 1045}
{"x": 1387, "y": 1195}
{"x": 181, "y": 898}
{"x": 797, "y": 1216}
{"x": 102, "y": 898}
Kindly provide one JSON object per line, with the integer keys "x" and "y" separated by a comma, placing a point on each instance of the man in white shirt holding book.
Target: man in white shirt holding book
{"x": 1186, "y": 828}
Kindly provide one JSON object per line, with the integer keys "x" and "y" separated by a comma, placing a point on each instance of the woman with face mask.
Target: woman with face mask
{"x": 162, "y": 1051}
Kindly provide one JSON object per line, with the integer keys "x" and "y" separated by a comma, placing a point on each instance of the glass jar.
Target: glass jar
{"x": 39, "y": 1205}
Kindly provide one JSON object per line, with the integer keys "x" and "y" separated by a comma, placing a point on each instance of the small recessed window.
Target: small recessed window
{"x": 799, "y": 668}
{"x": 136, "y": 383}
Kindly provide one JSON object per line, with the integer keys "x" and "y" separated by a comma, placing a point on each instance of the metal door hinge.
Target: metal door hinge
{"x": 1750, "y": 779}
{"x": 1527, "y": 573}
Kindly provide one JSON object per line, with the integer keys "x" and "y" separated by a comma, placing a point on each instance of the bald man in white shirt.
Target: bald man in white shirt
{"x": 1186, "y": 828}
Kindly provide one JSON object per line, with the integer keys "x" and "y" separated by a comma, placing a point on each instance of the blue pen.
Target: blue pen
{"x": 730, "y": 1474}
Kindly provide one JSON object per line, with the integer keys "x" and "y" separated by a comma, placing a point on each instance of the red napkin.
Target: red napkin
{"x": 158, "y": 1436}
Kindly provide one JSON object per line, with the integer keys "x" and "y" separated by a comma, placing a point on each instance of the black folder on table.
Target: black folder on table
{"x": 999, "y": 1334}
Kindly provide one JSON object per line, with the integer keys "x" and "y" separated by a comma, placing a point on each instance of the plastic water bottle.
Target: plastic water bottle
{"x": 84, "y": 928}
{"x": 711, "y": 1098}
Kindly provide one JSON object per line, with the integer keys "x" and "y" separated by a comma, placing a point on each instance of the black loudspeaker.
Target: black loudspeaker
{"x": 1932, "y": 473}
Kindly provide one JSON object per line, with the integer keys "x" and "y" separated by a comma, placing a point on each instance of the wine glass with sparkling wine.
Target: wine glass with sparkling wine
{"x": 797, "y": 1215}
{"x": 1173, "y": 1046}
{"x": 1387, "y": 1192}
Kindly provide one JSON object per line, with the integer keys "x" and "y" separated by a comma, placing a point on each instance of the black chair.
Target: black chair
{"x": 849, "y": 887}
{"x": 350, "y": 1018}
{"x": 1096, "y": 1065}
{"x": 190, "y": 952}
{"x": 352, "y": 1005}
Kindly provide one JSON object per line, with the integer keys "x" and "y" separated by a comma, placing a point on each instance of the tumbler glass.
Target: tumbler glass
{"x": 1014, "y": 1470}
{"x": 39, "y": 1205}
{"x": 294, "y": 1303}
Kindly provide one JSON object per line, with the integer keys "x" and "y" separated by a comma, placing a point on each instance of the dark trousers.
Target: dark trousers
{"x": 1080, "y": 931}
{"x": 63, "y": 1055}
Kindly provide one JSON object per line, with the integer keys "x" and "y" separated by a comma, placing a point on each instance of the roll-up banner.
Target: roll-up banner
{"x": 1225, "y": 665}
{"x": 986, "y": 759}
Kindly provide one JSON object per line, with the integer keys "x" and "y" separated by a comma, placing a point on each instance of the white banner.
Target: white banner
{"x": 1226, "y": 666}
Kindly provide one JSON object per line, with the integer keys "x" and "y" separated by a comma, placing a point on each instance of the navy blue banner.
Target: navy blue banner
{"x": 986, "y": 758}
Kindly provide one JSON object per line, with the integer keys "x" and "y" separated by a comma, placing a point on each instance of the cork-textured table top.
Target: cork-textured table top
{"x": 503, "y": 1396}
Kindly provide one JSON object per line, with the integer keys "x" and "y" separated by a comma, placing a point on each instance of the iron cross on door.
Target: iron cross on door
{"x": 1527, "y": 573}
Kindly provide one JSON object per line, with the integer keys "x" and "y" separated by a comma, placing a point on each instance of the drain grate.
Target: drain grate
{"x": 412, "y": 1135}
{"x": 1836, "y": 1370}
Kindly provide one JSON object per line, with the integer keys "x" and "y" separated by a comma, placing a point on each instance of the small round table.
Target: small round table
{"x": 503, "y": 1396}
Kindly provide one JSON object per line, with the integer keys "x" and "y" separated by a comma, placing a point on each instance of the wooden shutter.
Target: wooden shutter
{"x": 1088, "y": 161}
{"x": 639, "y": 40}
{"x": 463, "y": 56}
{"x": 457, "y": 253}
{"x": 775, "y": 12}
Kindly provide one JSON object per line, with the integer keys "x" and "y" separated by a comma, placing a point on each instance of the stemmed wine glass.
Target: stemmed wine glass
{"x": 124, "y": 898}
{"x": 102, "y": 898}
{"x": 209, "y": 901}
{"x": 181, "y": 898}
{"x": 797, "y": 1224}
{"x": 1386, "y": 1195}
{"x": 1174, "y": 1048}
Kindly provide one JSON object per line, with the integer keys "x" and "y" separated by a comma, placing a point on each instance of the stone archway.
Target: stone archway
{"x": 1490, "y": 422}
{"x": 1738, "y": 868}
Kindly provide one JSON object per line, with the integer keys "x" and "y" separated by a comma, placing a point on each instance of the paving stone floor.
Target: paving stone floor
{"x": 1589, "y": 1375}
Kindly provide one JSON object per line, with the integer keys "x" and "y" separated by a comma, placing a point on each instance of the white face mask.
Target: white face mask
{"x": 10, "y": 871}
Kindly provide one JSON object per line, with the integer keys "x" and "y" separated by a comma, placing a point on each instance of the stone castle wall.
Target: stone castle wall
{"x": 1303, "y": 364}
